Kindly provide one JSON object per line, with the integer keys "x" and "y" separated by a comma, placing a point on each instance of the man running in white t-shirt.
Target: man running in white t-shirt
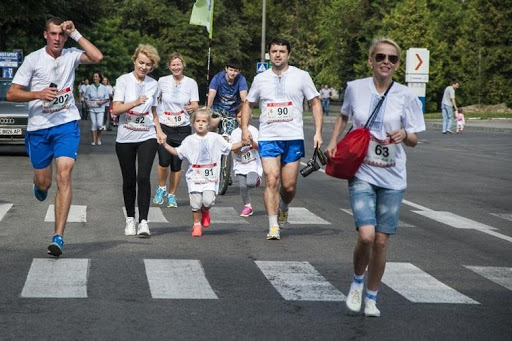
{"x": 280, "y": 92}
{"x": 45, "y": 80}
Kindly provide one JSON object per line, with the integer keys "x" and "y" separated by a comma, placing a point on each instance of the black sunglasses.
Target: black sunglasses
{"x": 379, "y": 57}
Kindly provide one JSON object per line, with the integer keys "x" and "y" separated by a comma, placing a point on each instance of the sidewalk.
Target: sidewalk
{"x": 492, "y": 125}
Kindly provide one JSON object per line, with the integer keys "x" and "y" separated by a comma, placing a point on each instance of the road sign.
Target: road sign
{"x": 7, "y": 72}
{"x": 9, "y": 59}
{"x": 261, "y": 67}
{"x": 417, "y": 65}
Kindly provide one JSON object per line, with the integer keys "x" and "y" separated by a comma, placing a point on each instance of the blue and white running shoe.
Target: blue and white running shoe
{"x": 159, "y": 196}
{"x": 57, "y": 245}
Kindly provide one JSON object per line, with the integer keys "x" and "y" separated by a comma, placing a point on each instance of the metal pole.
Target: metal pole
{"x": 263, "y": 28}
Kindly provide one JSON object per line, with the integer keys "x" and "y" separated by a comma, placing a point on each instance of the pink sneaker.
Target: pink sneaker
{"x": 205, "y": 218}
{"x": 247, "y": 211}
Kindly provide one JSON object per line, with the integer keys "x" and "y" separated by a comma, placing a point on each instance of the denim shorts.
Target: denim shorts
{"x": 374, "y": 205}
{"x": 290, "y": 151}
{"x": 45, "y": 144}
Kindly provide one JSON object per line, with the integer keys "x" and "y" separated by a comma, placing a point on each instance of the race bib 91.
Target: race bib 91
{"x": 60, "y": 102}
{"x": 205, "y": 173}
{"x": 381, "y": 153}
{"x": 280, "y": 111}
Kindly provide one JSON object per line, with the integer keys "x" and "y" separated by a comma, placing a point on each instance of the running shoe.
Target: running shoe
{"x": 171, "y": 201}
{"x": 273, "y": 233}
{"x": 99, "y": 143}
{"x": 93, "y": 143}
{"x": 57, "y": 245}
{"x": 354, "y": 299}
{"x": 129, "y": 229}
{"x": 143, "y": 229}
{"x": 247, "y": 211}
{"x": 205, "y": 218}
{"x": 197, "y": 230}
{"x": 282, "y": 219}
{"x": 39, "y": 194}
{"x": 159, "y": 196}
{"x": 370, "y": 308}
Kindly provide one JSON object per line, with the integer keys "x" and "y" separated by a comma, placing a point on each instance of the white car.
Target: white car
{"x": 13, "y": 117}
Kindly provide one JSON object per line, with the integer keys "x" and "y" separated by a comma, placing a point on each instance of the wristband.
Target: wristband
{"x": 75, "y": 35}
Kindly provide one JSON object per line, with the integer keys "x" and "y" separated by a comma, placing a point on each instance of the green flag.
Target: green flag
{"x": 202, "y": 15}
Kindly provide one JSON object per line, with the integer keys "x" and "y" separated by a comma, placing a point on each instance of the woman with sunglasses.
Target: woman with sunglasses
{"x": 376, "y": 191}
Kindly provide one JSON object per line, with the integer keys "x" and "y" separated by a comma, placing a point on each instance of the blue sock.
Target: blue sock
{"x": 357, "y": 282}
{"x": 372, "y": 295}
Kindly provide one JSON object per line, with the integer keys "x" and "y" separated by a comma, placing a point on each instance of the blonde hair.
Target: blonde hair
{"x": 383, "y": 40}
{"x": 149, "y": 51}
{"x": 205, "y": 110}
{"x": 177, "y": 55}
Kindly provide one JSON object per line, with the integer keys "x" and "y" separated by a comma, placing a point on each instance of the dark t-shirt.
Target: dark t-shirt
{"x": 228, "y": 95}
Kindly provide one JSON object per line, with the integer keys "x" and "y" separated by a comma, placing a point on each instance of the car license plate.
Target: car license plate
{"x": 10, "y": 131}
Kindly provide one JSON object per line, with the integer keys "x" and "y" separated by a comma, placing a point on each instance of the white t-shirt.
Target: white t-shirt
{"x": 203, "y": 154}
{"x": 137, "y": 124}
{"x": 401, "y": 108}
{"x": 281, "y": 99}
{"x": 95, "y": 94}
{"x": 248, "y": 159}
{"x": 81, "y": 90}
{"x": 171, "y": 107}
{"x": 38, "y": 70}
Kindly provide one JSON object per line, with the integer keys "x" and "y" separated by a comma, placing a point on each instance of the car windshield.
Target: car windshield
{"x": 4, "y": 87}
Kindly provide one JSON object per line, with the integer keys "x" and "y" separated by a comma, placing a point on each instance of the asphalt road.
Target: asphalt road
{"x": 449, "y": 274}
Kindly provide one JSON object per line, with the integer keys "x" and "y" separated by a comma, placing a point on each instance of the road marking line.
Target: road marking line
{"x": 226, "y": 215}
{"x": 57, "y": 278}
{"x": 178, "y": 279}
{"x": 499, "y": 275}
{"x": 77, "y": 214}
{"x": 299, "y": 281}
{"x": 301, "y": 215}
{"x": 506, "y": 216}
{"x": 400, "y": 223}
{"x": 155, "y": 215}
{"x": 418, "y": 286}
{"x": 419, "y": 207}
{"x": 4, "y": 208}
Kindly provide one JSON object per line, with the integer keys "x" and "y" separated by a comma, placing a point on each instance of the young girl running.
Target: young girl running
{"x": 203, "y": 150}
{"x": 246, "y": 164}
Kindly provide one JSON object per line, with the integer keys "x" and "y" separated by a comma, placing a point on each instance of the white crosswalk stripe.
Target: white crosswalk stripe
{"x": 77, "y": 214}
{"x": 301, "y": 215}
{"x": 507, "y": 216}
{"x": 57, "y": 278}
{"x": 499, "y": 275}
{"x": 155, "y": 215}
{"x": 226, "y": 215}
{"x": 177, "y": 279}
{"x": 420, "y": 287}
{"x": 4, "y": 208}
{"x": 299, "y": 281}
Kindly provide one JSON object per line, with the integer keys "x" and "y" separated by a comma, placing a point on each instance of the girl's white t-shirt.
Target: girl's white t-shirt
{"x": 203, "y": 152}
{"x": 172, "y": 100}
{"x": 137, "y": 124}
{"x": 94, "y": 94}
{"x": 38, "y": 70}
{"x": 248, "y": 158}
{"x": 400, "y": 110}
{"x": 281, "y": 103}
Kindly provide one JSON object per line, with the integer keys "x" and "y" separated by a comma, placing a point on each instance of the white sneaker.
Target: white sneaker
{"x": 354, "y": 300}
{"x": 370, "y": 308}
{"x": 129, "y": 229}
{"x": 143, "y": 229}
{"x": 273, "y": 233}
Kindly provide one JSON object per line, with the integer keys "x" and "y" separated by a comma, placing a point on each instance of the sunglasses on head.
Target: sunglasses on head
{"x": 379, "y": 57}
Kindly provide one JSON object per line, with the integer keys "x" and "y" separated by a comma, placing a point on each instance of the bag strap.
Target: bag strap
{"x": 373, "y": 116}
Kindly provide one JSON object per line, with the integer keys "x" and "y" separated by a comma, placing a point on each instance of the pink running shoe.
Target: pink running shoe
{"x": 197, "y": 230}
{"x": 205, "y": 218}
{"x": 247, "y": 211}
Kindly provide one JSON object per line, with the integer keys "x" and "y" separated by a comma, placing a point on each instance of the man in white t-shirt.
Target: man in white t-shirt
{"x": 447, "y": 105}
{"x": 281, "y": 91}
{"x": 45, "y": 80}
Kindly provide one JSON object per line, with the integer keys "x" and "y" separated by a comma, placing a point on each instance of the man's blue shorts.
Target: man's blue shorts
{"x": 46, "y": 144}
{"x": 290, "y": 151}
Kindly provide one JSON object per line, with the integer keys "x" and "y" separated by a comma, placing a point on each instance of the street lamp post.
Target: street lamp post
{"x": 263, "y": 28}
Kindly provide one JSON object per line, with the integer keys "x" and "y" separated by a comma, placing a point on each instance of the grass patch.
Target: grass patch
{"x": 474, "y": 115}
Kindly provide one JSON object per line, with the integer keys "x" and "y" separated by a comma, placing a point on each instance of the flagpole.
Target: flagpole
{"x": 208, "y": 68}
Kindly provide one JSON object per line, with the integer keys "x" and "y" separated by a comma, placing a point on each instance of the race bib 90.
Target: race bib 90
{"x": 280, "y": 111}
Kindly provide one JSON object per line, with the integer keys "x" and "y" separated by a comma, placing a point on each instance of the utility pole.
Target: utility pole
{"x": 263, "y": 28}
